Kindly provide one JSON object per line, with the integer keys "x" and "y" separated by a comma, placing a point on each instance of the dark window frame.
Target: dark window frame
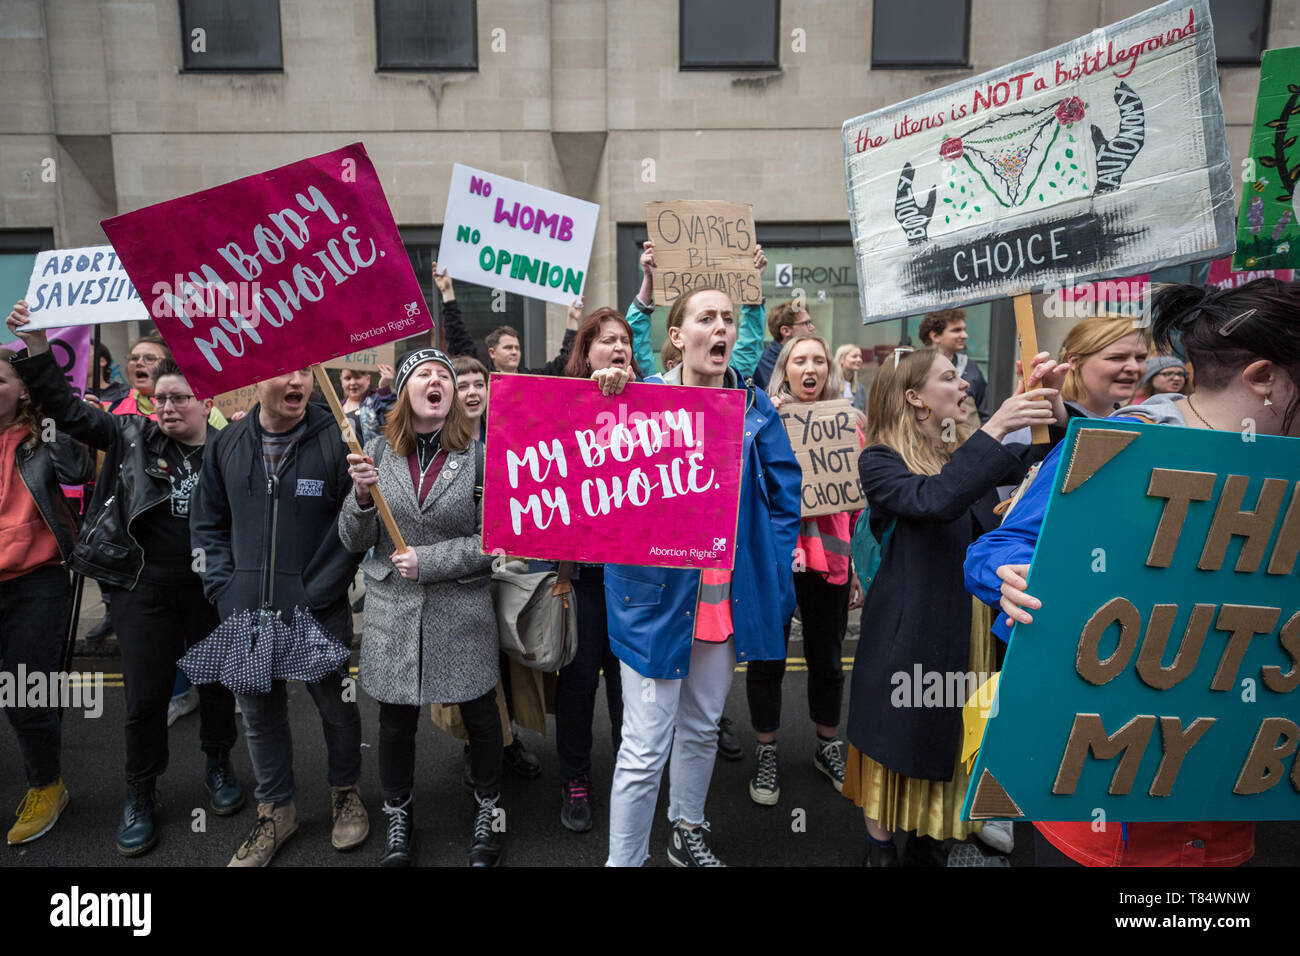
{"x": 963, "y": 64}
{"x": 534, "y": 310}
{"x": 1263, "y": 43}
{"x": 381, "y": 68}
{"x": 185, "y": 48}
{"x": 716, "y": 66}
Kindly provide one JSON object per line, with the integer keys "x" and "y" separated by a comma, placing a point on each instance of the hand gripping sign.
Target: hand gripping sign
{"x": 1159, "y": 680}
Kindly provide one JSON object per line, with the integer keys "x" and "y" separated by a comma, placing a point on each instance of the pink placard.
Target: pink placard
{"x": 1221, "y": 274}
{"x": 651, "y": 476}
{"x": 273, "y": 272}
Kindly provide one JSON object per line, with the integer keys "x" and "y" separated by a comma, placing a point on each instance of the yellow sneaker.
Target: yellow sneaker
{"x": 39, "y": 812}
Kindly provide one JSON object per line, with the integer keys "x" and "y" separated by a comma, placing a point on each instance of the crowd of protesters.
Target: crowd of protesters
{"x": 284, "y": 516}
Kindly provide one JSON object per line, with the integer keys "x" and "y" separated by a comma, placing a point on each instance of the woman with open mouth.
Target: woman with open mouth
{"x": 824, "y": 590}
{"x": 431, "y": 632}
{"x": 680, "y": 633}
{"x": 602, "y": 351}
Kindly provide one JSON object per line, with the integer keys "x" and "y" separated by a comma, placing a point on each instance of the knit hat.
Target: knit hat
{"x": 1158, "y": 364}
{"x": 414, "y": 359}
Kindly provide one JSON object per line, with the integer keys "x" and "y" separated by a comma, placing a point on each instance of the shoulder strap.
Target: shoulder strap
{"x": 478, "y": 472}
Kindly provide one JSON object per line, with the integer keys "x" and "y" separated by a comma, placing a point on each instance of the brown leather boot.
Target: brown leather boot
{"x": 273, "y": 828}
{"x": 351, "y": 822}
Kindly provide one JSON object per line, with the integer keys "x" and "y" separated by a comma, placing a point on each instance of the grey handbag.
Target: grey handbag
{"x": 537, "y": 614}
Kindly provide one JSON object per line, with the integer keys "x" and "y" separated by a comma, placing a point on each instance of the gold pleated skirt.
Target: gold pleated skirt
{"x": 926, "y": 807}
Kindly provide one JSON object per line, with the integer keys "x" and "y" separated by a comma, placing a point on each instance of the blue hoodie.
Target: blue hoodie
{"x": 651, "y": 610}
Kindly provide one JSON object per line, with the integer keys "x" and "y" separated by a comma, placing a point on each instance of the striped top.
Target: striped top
{"x": 713, "y": 617}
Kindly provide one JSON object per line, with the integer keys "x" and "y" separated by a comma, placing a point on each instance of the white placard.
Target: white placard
{"x": 86, "y": 286}
{"x": 1103, "y": 157}
{"x": 504, "y": 234}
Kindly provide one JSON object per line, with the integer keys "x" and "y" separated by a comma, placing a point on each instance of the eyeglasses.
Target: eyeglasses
{"x": 808, "y": 324}
{"x": 1171, "y": 373}
{"x": 177, "y": 401}
{"x": 145, "y": 359}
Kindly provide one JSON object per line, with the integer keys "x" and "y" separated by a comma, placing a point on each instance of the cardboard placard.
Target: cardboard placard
{"x": 504, "y": 234}
{"x": 1158, "y": 680}
{"x": 85, "y": 286}
{"x": 274, "y": 272}
{"x": 1268, "y": 236}
{"x": 703, "y": 242}
{"x": 1105, "y": 156}
{"x": 237, "y": 400}
{"x": 651, "y": 476}
{"x": 825, "y": 439}
{"x": 367, "y": 360}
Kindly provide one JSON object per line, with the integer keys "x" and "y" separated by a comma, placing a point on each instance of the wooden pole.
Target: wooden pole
{"x": 1028, "y": 349}
{"x": 326, "y": 386}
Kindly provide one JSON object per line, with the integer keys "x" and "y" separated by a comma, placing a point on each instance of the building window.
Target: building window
{"x": 426, "y": 34}
{"x": 1240, "y": 30}
{"x": 231, "y": 36}
{"x": 729, "y": 34}
{"x": 911, "y": 34}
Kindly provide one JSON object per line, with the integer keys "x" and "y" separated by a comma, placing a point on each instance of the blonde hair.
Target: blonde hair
{"x": 1088, "y": 338}
{"x": 891, "y": 421}
{"x": 833, "y": 387}
{"x": 841, "y": 354}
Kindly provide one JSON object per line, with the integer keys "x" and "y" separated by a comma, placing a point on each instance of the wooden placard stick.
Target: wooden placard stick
{"x": 326, "y": 386}
{"x": 1028, "y": 349}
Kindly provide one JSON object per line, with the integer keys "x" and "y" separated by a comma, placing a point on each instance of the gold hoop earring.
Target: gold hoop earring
{"x": 928, "y": 413}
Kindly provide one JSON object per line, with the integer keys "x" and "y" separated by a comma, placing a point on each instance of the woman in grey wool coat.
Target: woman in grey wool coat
{"x": 429, "y": 631}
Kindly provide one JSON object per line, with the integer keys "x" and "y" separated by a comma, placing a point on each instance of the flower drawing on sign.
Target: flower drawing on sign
{"x": 412, "y": 308}
{"x": 1069, "y": 110}
{"x": 951, "y": 149}
{"x": 1256, "y": 215}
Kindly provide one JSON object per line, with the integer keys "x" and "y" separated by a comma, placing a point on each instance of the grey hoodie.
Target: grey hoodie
{"x": 1162, "y": 409}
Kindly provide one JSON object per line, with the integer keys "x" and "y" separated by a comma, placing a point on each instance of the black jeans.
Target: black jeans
{"x": 577, "y": 683}
{"x": 824, "y": 609}
{"x": 155, "y": 624}
{"x": 397, "y": 725}
{"x": 33, "y": 624}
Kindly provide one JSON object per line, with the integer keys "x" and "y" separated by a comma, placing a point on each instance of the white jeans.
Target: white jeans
{"x": 658, "y": 714}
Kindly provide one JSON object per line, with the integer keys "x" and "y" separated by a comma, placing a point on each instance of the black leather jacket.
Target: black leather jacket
{"x": 43, "y": 466}
{"x": 130, "y": 481}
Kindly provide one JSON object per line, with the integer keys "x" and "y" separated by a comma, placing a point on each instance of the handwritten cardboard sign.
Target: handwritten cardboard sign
{"x": 273, "y": 272}
{"x": 1158, "y": 680}
{"x": 705, "y": 243}
{"x": 824, "y": 436}
{"x": 238, "y": 400}
{"x": 367, "y": 360}
{"x": 504, "y": 234}
{"x": 85, "y": 286}
{"x": 651, "y": 476}
{"x": 1268, "y": 236}
{"x": 1105, "y": 156}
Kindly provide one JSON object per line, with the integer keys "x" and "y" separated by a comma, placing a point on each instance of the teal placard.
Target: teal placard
{"x": 1094, "y": 547}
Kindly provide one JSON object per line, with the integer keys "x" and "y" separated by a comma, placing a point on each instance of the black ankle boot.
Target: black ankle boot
{"x": 136, "y": 835}
{"x": 401, "y": 832}
{"x": 487, "y": 848}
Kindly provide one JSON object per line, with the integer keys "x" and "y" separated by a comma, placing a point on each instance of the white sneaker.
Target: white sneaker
{"x": 998, "y": 835}
{"x": 182, "y": 704}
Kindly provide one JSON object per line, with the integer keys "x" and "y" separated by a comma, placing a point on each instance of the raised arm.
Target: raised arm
{"x": 975, "y": 468}
{"x": 459, "y": 341}
{"x": 753, "y": 321}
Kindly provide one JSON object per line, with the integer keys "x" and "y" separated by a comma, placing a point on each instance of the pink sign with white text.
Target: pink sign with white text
{"x": 273, "y": 272}
{"x": 650, "y": 477}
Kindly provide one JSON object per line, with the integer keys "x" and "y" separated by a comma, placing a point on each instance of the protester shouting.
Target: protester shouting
{"x": 136, "y": 544}
{"x": 745, "y": 357}
{"x": 430, "y": 630}
{"x": 1245, "y": 347}
{"x": 680, "y": 633}
{"x": 824, "y": 586}
{"x": 37, "y": 534}
{"x": 266, "y": 512}
{"x": 602, "y": 351}
{"x": 929, "y": 473}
